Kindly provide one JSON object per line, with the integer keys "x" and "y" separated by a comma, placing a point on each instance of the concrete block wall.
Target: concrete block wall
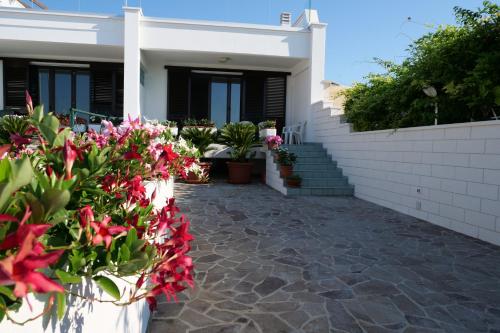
{"x": 273, "y": 178}
{"x": 448, "y": 175}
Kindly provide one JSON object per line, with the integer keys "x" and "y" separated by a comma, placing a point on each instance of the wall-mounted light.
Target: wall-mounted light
{"x": 432, "y": 93}
{"x": 223, "y": 60}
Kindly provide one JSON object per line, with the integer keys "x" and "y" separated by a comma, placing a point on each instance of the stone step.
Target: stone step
{"x": 334, "y": 173}
{"x": 315, "y": 161}
{"x": 304, "y": 148}
{"x": 319, "y": 191}
{"x": 314, "y": 167}
{"x": 324, "y": 182}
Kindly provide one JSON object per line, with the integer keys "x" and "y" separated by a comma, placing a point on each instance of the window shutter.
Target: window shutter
{"x": 275, "y": 106}
{"x": 16, "y": 82}
{"x": 178, "y": 90}
{"x": 254, "y": 99}
{"x": 102, "y": 91}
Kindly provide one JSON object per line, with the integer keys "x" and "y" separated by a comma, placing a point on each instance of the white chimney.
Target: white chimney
{"x": 286, "y": 19}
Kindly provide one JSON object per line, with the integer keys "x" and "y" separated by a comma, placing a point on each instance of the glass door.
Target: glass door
{"x": 62, "y": 91}
{"x": 225, "y": 101}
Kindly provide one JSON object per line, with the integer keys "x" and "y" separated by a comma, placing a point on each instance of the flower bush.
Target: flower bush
{"x": 274, "y": 140}
{"x": 284, "y": 157}
{"x": 74, "y": 207}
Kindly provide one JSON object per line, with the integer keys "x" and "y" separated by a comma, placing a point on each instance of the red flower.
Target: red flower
{"x": 105, "y": 233}
{"x": 169, "y": 153}
{"x": 20, "y": 269}
{"x": 135, "y": 189}
{"x": 86, "y": 216}
{"x": 4, "y": 150}
{"x": 16, "y": 238}
{"x": 132, "y": 154}
{"x": 19, "y": 140}
{"x": 29, "y": 101}
{"x": 70, "y": 155}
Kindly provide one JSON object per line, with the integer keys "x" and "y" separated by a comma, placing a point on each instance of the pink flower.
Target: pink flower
{"x": 70, "y": 154}
{"x": 29, "y": 101}
{"x": 274, "y": 139}
{"x": 19, "y": 140}
{"x": 86, "y": 216}
{"x": 104, "y": 233}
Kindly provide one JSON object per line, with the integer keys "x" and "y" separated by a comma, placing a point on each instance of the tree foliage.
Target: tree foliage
{"x": 462, "y": 62}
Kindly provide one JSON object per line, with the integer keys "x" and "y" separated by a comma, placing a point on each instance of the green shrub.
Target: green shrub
{"x": 241, "y": 137}
{"x": 461, "y": 62}
{"x": 201, "y": 138}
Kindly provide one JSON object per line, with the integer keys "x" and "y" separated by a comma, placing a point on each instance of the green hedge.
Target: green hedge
{"x": 462, "y": 62}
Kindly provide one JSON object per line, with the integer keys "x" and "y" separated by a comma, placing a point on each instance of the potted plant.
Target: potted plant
{"x": 171, "y": 126}
{"x": 273, "y": 141}
{"x": 286, "y": 160}
{"x": 267, "y": 128}
{"x": 293, "y": 181}
{"x": 201, "y": 138}
{"x": 199, "y": 124}
{"x": 241, "y": 138}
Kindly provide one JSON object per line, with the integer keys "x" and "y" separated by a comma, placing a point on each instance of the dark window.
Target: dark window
{"x": 178, "y": 94}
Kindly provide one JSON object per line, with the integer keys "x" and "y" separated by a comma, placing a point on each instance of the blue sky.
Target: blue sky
{"x": 358, "y": 30}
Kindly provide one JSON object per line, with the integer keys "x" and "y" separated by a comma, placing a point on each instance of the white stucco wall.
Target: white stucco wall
{"x": 10, "y": 3}
{"x": 299, "y": 94}
{"x": 1, "y": 86}
{"x": 60, "y": 27}
{"x": 448, "y": 175}
{"x": 155, "y": 88}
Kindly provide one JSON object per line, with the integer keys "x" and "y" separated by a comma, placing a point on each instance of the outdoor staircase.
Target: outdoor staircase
{"x": 320, "y": 174}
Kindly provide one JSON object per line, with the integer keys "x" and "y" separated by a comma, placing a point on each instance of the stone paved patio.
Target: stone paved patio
{"x": 266, "y": 263}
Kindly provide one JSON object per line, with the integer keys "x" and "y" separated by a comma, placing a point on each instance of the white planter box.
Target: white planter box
{"x": 164, "y": 191}
{"x": 79, "y": 128}
{"x": 83, "y": 316}
{"x": 174, "y": 130}
{"x": 263, "y": 133}
{"x": 95, "y": 127}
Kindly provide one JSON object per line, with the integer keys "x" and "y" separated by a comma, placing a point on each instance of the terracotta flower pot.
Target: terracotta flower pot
{"x": 205, "y": 166}
{"x": 272, "y": 146}
{"x": 293, "y": 182}
{"x": 239, "y": 172}
{"x": 286, "y": 170}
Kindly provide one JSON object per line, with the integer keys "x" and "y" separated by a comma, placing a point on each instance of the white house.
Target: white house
{"x": 162, "y": 68}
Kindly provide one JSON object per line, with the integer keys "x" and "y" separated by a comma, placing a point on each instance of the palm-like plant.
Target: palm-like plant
{"x": 201, "y": 138}
{"x": 241, "y": 137}
{"x": 11, "y": 124}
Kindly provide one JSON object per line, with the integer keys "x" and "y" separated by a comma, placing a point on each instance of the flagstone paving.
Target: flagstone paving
{"x": 268, "y": 263}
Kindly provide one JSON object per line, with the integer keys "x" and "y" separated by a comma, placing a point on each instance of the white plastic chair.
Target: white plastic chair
{"x": 293, "y": 133}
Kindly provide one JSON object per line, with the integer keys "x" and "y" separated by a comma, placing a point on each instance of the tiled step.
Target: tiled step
{"x": 315, "y": 166}
{"x": 319, "y": 159}
{"x": 331, "y": 191}
{"x": 319, "y": 174}
{"x": 324, "y": 182}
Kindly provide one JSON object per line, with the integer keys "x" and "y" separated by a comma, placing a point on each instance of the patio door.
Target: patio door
{"x": 225, "y": 100}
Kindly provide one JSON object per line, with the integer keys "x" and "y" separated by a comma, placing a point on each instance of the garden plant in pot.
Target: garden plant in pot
{"x": 273, "y": 141}
{"x": 201, "y": 138}
{"x": 286, "y": 160}
{"x": 241, "y": 138}
{"x": 266, "y": 128}
{"x": 293, "y": 180}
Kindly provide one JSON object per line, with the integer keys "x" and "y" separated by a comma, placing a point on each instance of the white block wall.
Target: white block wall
{"x": 448, "y": 175}
{"x": 273, "y": 178}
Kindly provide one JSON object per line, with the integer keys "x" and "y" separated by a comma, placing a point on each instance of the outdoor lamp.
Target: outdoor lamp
{"x": 432, "y": 92}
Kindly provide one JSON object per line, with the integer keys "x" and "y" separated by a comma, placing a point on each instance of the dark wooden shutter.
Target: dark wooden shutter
{"x": 275, "y": 105}
{"x": 178, "y": 94}
{"x": 254, "y": 99}
{"x": 199, "y": 96}
{"x": 118, "y": 109}
{"x": 102, "y": 91}
{"x": 16, "y": 82}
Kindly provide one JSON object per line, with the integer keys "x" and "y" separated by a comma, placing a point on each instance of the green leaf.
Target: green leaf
{"x": 55, "y": 199}
{"x": 2, "y": 307}
{"x": 131, "y": 237}
{"x": 108, "y": 286}
{"x": 61, "y": 304}
{"x": 124, "y": 252}
{"x": 61, "y": 137}
{"x": 4, "y": 169}
{"x": 22, "y": 172}
{"x": 132, "y": 266}
{"x": 38, "y": 113}
{"x": 67, "y": 278}
{"x": 7, "y": 292}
